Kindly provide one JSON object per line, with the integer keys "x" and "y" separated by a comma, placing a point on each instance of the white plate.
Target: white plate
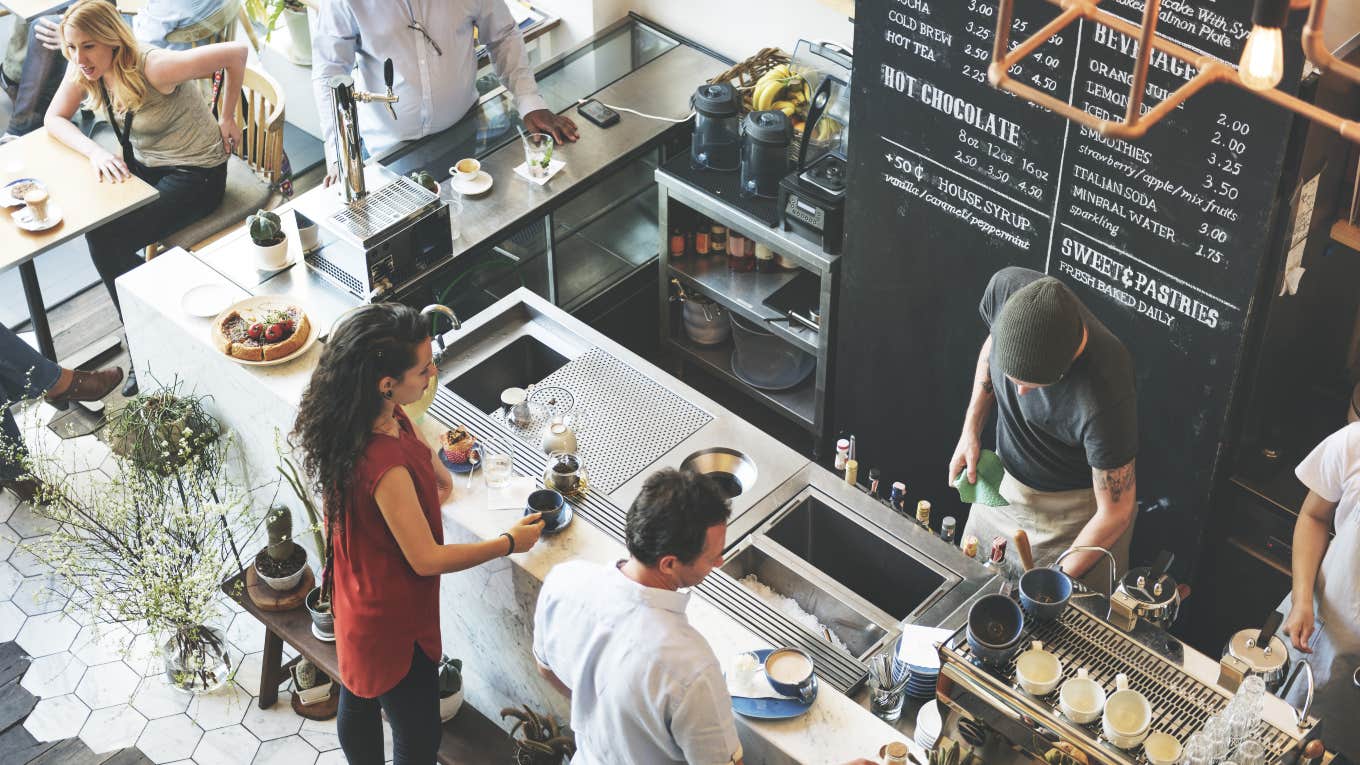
{"x": 480, "y": 185}
{"x": 206, "y": 300}
{"x": 8, "y": 199}
{"x": 265, "y": 302}
{"x": 23, "y": 218}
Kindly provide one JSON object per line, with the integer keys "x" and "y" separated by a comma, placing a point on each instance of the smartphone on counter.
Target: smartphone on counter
{"x": 598, "y": 113}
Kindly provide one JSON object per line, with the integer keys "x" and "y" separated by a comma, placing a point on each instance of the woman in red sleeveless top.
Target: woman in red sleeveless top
{"x": 382, "y": 490}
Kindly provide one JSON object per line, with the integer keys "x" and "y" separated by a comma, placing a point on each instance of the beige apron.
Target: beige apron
{"x": 1051, "y": 519}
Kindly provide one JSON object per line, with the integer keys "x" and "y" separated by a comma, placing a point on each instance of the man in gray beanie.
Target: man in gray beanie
{"x": 1067, "y": 425}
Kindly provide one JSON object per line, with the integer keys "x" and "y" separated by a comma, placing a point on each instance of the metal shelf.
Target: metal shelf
{"x": 744, "y": 294}
{"x": 806, "y": 252}
{"x": 798, "y": 404}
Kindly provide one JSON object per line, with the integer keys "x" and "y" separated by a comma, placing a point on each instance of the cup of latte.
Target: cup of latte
{"x": 36, "y": 199}
{"x": 466, "y": 170}
{"x": 789, "y": 671}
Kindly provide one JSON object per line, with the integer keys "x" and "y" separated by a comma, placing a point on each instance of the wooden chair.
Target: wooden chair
{"x": 255, "y": 166}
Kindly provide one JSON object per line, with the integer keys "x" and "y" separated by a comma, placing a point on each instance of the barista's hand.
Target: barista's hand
{"x": 526, "y": 532}
{"x": 48, "y": 33}
{"x": 1299, "y": 625}
{"x": 561, "y": 128}
{"x": 966, "y": 453}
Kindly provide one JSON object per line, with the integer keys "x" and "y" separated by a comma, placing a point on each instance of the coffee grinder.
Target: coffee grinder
{"x": 812, "y": 197}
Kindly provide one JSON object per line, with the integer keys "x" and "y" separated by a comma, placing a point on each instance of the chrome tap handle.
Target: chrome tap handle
{"x": 454, "y": 322}
{"x": 1301, "y": 714}
{"x": 1092, "y": 548}
{"x": 387, "y": 79}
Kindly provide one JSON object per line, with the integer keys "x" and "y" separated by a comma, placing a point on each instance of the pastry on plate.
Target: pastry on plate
{"x": 457, "y": 443}
{"x": 262, "y": 334}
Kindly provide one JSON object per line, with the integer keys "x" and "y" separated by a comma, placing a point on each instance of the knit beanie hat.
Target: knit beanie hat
{"x": 1037, "y": 332}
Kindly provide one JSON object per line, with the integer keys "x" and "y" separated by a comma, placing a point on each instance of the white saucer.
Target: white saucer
{"x": 23, "y": 218}
{"x": 7, "y": 197}
{"x": 480, "y": 185}
{"x": 287, "y": 263}
{"x": 206, "y": 300}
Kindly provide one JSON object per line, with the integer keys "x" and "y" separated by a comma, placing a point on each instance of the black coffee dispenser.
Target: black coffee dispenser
{"x": 716, "y": 142}
{"x": 764, "y": 152}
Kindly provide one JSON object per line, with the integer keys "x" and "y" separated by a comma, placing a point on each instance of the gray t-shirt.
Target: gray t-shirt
{"x": 1050, "y": 438}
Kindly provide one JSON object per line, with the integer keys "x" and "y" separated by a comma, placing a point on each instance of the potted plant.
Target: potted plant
{"x": 148, "y": 543}
{"x": 281, "y": 563}
{"x": 313, "y": 685}
{"x": 318, "y": 601}
{"x": 450, "y": 687}
{"x": 269, "y": 240}
{"x": 424, "y": 178}
{"x": 539, "y": 740}
{"x": 265, "y": 15}
{"x": 160, "y": 431}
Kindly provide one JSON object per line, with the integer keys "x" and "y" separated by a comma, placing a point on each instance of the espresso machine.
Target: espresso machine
{"x": 379, "y": 232}
{"x": 984, "y": 710}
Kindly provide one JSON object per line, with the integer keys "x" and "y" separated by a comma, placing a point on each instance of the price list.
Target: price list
{"x": 1154, "y": 226}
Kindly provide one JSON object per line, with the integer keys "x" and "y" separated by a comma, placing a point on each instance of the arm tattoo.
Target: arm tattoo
{"x": 1116, "y": 481}
{"x": 986, "y": 384}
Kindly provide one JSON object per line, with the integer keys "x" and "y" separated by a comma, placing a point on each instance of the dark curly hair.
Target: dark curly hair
{"x": 672, "y": 514}
{"x": 341, "y": 402}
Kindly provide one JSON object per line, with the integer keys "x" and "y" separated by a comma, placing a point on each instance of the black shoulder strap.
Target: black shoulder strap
{"x": 124, "y": 136}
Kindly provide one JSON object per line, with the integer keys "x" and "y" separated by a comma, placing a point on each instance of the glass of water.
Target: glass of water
{"x": 538, "y": 151}
{"x": 497, "y": 469}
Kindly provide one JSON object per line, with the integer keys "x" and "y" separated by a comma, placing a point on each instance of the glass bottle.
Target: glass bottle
{"x": 765, "y": 262}
{"x": 701, "y": 242}
{"x": 717, "y": 239}
{"x": 677, "y": 242}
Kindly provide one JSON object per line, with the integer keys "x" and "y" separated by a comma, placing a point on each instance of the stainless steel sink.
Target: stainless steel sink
{"x": 523, "y": 362}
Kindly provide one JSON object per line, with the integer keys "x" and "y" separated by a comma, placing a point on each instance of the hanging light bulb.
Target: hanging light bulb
{"x": 1262, "y": 63}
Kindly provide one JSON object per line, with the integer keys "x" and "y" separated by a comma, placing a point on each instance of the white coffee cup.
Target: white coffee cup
{"x": 307, "y": 235}
{"x": 1128, "y": 715}
{"x": 465, "y": 170}
{"x": 1037, "y": 671}
{"x": 1162, "y": 749}
{"x": 1081, "y": 699}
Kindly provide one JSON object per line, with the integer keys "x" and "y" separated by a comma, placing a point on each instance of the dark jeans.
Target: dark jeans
{"x": 187, "y": 194}
{"x": 38, "y": 82}
{"x": 24, "y": 373}
{"x": 412, "y": 709}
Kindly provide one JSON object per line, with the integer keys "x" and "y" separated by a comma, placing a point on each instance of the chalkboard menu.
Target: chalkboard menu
{"x": 1164, "y": 238}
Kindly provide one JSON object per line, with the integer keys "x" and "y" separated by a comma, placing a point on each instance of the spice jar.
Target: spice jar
{"x": 764, "y": 259}
{"x": 739, "y": 256}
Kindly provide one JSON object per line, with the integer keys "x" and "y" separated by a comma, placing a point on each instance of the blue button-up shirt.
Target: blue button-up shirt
{"x": 645, "y": 685}
{"x": 435, "y": 90}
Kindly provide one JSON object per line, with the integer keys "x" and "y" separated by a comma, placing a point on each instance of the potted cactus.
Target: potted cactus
{"x": 271, "y": 243}
{"x": 450, "y": 687}
{"x": 281, "y": 562}
{"x": 312, "y": 684}
{"x": 539, "y": 740}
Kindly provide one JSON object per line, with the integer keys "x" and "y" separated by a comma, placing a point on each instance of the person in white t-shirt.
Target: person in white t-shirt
{"x": 1322, "y": 612}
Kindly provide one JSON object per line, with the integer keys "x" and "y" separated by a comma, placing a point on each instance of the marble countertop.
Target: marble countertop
{"x": 837, "y": 729}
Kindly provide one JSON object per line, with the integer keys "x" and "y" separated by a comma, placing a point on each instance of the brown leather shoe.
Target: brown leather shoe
{"x": 89, "y": 386}
{"x": 28, "y": 490}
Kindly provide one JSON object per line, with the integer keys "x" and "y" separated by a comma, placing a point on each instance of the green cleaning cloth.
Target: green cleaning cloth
{"x": 987, "y": 490}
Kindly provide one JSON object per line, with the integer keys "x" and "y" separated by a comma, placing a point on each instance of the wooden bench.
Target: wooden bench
{"x": 468, "y": 738}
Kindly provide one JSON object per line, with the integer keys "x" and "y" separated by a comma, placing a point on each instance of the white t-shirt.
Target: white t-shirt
{"x": 1332, "y": 471}
{"x": 646, "y": 687}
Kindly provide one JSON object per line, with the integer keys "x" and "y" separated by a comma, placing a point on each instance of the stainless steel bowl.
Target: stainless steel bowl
{"x": 733, "y": 471}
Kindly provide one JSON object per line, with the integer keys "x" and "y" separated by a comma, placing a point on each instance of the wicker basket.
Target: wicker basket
{"x": 743, "y": 75}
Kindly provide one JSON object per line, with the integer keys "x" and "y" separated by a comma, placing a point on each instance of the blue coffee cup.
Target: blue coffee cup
{"x": 790, "y": 672}
{"x": 1044, "y": 593}
{"x": 995, "y": 624}
{"x": 548, "y": 504}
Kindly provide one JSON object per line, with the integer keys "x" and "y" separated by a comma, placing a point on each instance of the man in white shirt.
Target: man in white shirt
{"x": 645, "y": 686}
{"x": 434, "y": 58}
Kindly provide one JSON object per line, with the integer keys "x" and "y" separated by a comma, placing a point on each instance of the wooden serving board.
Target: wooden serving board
{"x": 267, "y": 599}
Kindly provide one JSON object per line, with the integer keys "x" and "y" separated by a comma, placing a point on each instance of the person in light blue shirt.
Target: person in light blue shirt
{"x": 434, "y": 59}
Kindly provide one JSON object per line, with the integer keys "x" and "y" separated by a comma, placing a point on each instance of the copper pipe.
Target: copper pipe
{"x": 1316, "y": 49}
{"x": 1144, "y": 56}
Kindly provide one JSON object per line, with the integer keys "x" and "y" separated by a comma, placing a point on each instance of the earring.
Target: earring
{"x": 387, "y": 394}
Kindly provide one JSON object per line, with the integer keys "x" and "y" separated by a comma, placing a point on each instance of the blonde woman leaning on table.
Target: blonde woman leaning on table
{"x": 169, "y": 137}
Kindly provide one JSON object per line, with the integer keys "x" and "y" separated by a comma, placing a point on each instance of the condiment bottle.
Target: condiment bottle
{"x": 701, "y": 243}
{"x": 677, "y": 243}
{"x": 738, "y": 252}
{"x": 873, "y": 482}
{"x": 851, "y": 471}
{"x": 717, "y": 239}
{"x": 923, "y": 513}
{"x": 970, "y": 546}
{"x": 947, "y": 528}
{"x": 898, "y": 497}
{"x": 764, "y": 259}
{"x": 842, "y": 453}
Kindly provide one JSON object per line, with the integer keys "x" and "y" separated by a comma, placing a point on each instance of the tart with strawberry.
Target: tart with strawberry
{"x": 262, "y": 334}
{"x": 457, "y": 443}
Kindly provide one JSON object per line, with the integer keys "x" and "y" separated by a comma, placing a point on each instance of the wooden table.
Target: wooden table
{"x": 468, "y": 739}
{"x": 73, "y": 186}
{"x": 31, "y": 9}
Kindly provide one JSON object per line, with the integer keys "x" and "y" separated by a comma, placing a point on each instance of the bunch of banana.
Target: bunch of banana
{"x": 780, "y": 88}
